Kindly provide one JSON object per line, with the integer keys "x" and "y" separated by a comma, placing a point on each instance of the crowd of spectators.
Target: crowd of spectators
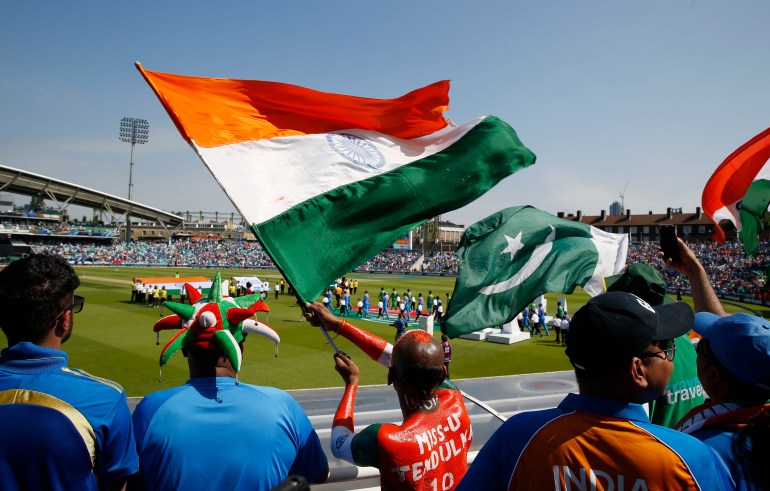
{"x": 441, "y": 262}
{"x": 180, "y": 252}
{"x": 730, "y": 270}
{"x": 732, "y": 273}
{"x": 400, "y": 260}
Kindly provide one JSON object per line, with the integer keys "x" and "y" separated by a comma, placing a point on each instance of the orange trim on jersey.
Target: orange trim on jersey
{"x": 216, "y": 111}
{"x": 581, "y": 450}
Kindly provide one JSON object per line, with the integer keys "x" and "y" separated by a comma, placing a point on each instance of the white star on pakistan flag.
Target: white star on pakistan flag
{"x": 514, "y": 245}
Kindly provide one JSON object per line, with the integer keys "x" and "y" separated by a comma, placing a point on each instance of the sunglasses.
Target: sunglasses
{"x": 76, "y": 307}
{"x": 77, "y": 304}
{"x": 668, "y": 352}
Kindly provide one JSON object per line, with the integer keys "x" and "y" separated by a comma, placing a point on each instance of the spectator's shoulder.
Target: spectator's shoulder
{"x": 273, "y": 393}
{"x": 447, "y": 384}
{"x": 153, "y": 401}
{"x": 676, "y": 439}
{"x": 95, "y": 380}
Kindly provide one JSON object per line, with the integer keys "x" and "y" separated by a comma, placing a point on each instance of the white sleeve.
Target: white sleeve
{"x": 342, "y": 441}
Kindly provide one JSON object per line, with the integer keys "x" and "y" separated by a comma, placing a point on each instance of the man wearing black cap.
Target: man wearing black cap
{"x": 622, "y": 349}
{"x": 683, "y": 391}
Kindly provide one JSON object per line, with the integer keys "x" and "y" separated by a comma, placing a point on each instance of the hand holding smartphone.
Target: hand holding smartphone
{"x": 668, "y": 242}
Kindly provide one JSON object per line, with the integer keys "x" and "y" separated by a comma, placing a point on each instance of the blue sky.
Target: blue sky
{"x": 653, "y": 93}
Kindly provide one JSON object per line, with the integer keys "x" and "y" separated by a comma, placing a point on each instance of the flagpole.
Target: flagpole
{"x": 329, "y": 339}
{"x": 323, "y": 331}
{"x": 484, "y": 406}
{"x": 289, "y": 282}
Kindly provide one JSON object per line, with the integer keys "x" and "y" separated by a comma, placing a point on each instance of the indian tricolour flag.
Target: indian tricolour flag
{"x": 739, "y": 191}
{"x": 326, "y": 181}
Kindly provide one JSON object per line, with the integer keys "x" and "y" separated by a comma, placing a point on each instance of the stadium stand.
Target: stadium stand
{"x": 735, "y": 276}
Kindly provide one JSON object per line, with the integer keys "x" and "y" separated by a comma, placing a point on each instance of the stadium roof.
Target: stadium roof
{"x": 63, "y": 193}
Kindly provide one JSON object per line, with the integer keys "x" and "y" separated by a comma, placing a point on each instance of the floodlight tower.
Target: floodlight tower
{"x": 432, "y": 232}
{"x": 133, "y": 131}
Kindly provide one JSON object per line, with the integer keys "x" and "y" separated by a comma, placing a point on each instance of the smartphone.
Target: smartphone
{"x": 668, "y": 242}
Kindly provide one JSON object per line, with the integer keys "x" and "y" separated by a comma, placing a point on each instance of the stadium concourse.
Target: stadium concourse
{"x": 731, "y": 272}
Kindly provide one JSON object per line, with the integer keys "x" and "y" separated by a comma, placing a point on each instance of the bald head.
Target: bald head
{"x": 417, "y": 365}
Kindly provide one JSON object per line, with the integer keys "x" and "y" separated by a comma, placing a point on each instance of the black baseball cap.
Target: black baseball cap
{"x": 616, "y": 326}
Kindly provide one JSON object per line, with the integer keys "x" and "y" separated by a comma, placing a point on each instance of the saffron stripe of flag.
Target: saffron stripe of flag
{"x": 217, "y": 111}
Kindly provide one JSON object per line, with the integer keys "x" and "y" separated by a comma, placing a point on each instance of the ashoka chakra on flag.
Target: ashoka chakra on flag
{"x": 356, "y": 150}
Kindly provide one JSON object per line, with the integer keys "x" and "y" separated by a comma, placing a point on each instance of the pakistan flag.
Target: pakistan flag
{"x": 514, "y": 255}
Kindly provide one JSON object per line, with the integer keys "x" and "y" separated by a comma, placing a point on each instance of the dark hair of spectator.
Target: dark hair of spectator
{"x": 33, "y": 292}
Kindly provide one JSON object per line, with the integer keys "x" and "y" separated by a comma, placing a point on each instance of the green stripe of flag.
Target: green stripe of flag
{"x": 754, "y": 216}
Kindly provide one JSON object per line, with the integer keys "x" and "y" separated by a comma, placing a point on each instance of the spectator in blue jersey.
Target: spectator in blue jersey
{"x": 420, "y": 306}
{"x": 385, "y": 300}
{"x": 541, "y": 318}
{"x": 734, "y": 367}
{"x": 752, "y": 448}
{"x": 60, "y": 428}
{"x": 346, "y": 298}
{"x": 525, "y": 319}
{"x": 214, "y": 432}
{"x": 367, "y": 303}
{"x": 601, "y": 438}
{"x": 400, "y": 325}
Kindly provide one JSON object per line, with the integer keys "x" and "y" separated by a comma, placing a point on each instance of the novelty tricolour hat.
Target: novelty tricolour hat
{"x": 213, "y": 322}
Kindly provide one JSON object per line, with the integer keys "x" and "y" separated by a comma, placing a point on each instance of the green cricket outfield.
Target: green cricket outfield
{"x": 113, "y": 338}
